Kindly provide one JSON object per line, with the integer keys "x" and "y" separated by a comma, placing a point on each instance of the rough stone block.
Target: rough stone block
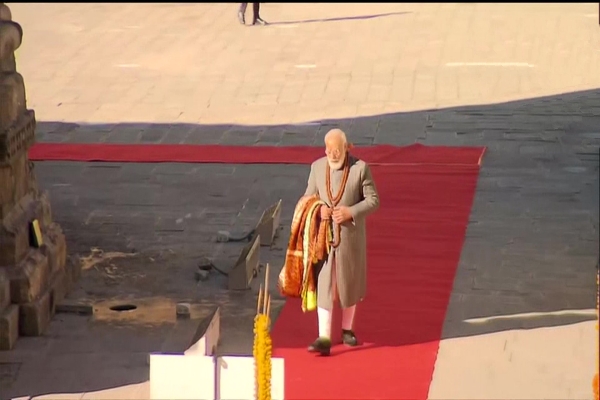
{"x": 35, "y": 316}
{"x": 9, "y": 327}
{"x": 20, "y": 175}
{"x": 14, "y": 230}
{"x": 73, "y": 269}
{"x": 59, "y": 288}
{"x": 75, "y": 307}
{"x": 29, "y": 279}
{"x": 46, "y": 209}
{"x": 4, "y": 289}
{"x": 16, "y": 180}
{"x": 31, "y": 206}
{"x": 55, "y": 248}
{"x": 5, "y": 208}
{"x": 12, "y": 97}
{"x": 5, "y": 14}
{"x": 14, "y": 244}
{"x": 6, "y": 185}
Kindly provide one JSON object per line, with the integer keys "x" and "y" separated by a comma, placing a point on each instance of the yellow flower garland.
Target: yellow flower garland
{"x": 263, "y": 347}
{"x": 595, "y": 382}
{"x": 262, "y": 357}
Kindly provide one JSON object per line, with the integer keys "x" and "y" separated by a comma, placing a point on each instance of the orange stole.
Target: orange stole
{"x": 309, "y": 243}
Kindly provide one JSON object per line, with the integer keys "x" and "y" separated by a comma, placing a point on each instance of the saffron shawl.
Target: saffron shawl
{"x": 308, "y": 244}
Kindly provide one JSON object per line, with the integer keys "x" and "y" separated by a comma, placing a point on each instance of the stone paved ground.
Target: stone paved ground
{"x": 520, "y": 79}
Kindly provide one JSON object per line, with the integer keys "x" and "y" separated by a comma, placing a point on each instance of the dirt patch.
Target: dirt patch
{"x": 98, "y": 256}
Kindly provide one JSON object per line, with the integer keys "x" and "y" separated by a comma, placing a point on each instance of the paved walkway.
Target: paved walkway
{"x": 450, "y": 74}
{"x": 193, "y": 63}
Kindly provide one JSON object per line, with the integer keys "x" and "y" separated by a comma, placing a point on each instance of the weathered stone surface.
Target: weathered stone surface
{"x": 14, "y": 230}
{"x": 4, "y": 289}
{"x": 68, "y": 306}
{"x": 73, "y": 269}
{"x": 11, "y": 35}
{"x": 55, "y": 247}
{"x": 5, "y": 14}
{"x": 12, "y": 98}
{"x": 15, "y": 182}
{"x": 30, "y": 278}
{"x": 9, "y": 327}
{"x": 46, "y": 208}
{"x": 59, "y": 288}
{"x": 35, "y": 316}
{"x": 21, "y": 176}
{"x": 14, "y": 244}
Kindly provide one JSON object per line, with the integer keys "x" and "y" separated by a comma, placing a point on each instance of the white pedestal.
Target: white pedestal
{"x": 194, "y": 375}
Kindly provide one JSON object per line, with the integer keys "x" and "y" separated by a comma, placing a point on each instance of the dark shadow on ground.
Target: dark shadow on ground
{"x": 531, "y": 245}
{"x": 336, "y": 19}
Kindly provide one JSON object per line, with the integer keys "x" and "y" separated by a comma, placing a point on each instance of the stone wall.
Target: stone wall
{"x": 33, "y": 278}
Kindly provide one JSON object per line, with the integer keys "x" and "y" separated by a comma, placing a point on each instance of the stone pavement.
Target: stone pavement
{"x": 439, "y": 74}
{"x": 193, "y": 63}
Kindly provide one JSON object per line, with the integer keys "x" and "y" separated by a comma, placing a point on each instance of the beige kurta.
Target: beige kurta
{"x": 351, "y": 255}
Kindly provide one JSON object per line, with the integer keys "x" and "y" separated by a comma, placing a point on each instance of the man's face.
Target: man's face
{"x": 336, "y": 154}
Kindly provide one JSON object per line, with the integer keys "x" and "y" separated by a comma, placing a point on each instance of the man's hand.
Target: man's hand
{"x": 341, "y": 214}
{"x": 325, "y": 212}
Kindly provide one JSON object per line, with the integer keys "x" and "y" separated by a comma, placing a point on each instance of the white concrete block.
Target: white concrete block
{"x": 209, "y": 341}
{"x": 236, "y": 378}
{"x": 180, "y": 377}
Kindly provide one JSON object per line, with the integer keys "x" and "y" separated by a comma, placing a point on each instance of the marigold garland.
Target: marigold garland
{"x": 262, "y": 349}
{"x": 595, "y": 382}
{"x": 262, "y": 357}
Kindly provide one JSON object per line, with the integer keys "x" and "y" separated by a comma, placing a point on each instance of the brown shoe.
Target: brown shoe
{"x": 349, "y": 338}
{"x": 321, "y": 346}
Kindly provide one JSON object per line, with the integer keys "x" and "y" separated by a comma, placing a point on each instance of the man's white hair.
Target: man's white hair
{"x": 336, "y": 134}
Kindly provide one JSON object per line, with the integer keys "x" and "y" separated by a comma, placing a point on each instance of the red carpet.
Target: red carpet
{"x": 414, "y": 244}
{"x": 243, "y": 154}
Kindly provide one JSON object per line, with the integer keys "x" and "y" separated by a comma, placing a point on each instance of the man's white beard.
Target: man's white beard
{"x": 336, "y": 165}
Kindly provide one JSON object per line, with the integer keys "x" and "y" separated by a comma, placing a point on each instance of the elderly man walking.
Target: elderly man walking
{"x": 345, "y": 184}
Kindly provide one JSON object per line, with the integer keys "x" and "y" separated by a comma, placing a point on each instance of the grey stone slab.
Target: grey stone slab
{"x": 441, "y": 139}
{"x": 369, "y": 128}
{"x": 210, "y": 134}
{"x": 396, "y": 139}
{"x": 56, "y": 137}
{"x": 177, "y": 134}
{"x": 174, "y": 168}
{"x": 298, "y": 139}
{"x": 271, "y": 136}
{"x": 101, "y": 172}
{"x": 240, "y": 137}
{"x": 154, "y": 134}
{"x": 125, "y": 134}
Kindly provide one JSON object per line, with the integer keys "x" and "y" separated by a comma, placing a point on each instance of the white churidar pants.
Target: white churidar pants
{"x": 324, "y": 314}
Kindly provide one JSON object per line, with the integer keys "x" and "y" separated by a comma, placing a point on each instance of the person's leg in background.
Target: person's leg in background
{"x": 242, "y": 13}
{"x": 256, "y": 19}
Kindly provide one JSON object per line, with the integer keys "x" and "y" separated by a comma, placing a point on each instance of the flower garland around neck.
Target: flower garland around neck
{"x": 334, "y": 200}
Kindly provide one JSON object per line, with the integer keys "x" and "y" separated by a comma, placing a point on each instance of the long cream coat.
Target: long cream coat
{"x": 351, "y": 255}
